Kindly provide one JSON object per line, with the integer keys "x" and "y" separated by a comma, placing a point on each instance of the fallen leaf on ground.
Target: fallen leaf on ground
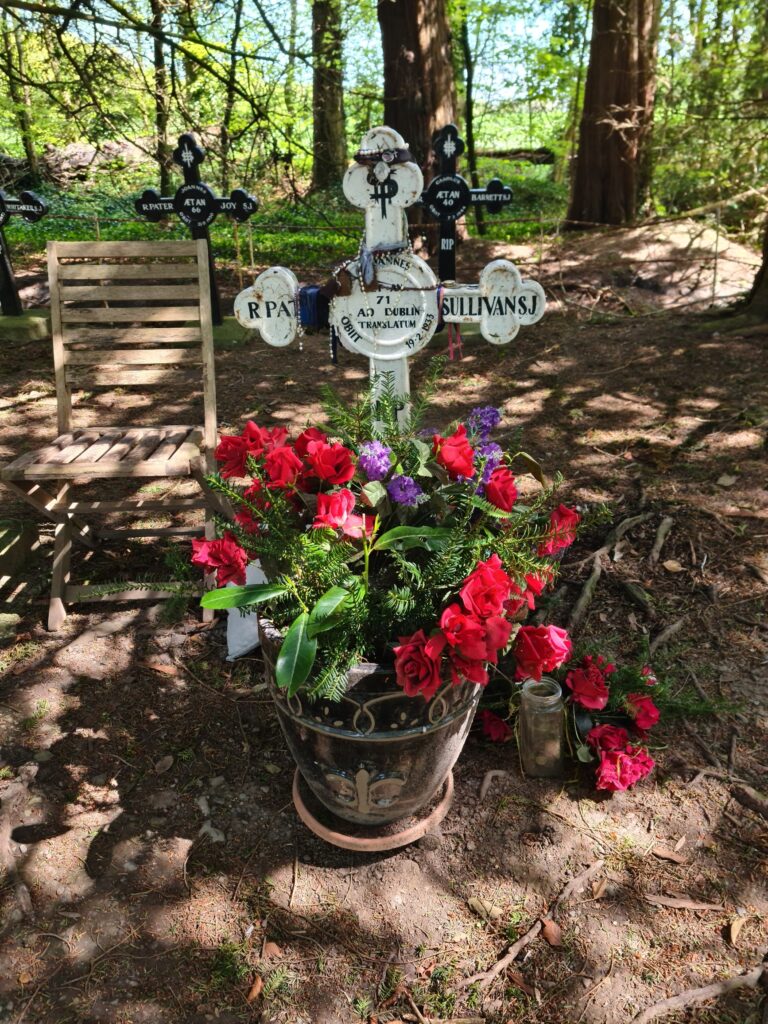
{"x": 680, "y": 843}
{"x": 255, "y": 990}
{"x": 273, "y": 769}
{"x": 552, "y": 932}
{"x": 734, "y": 929}
{"x": 726, "y": 480}
{"x": 163, "y": 764}
{"x": 24, "y": 978}
{"x": 672, "y": 565}
{"x": 484, "y": 908}
{"x": 679, "y": 903}
{"x": 271, "y": 949}
{"x": 599, "y": 887}
{"x": 158, "y": 666}
{"x": 663, "y": 853}
{"x": 519, "y": 982}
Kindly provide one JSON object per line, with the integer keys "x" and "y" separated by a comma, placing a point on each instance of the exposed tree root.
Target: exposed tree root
{"x": 692, "y": 996}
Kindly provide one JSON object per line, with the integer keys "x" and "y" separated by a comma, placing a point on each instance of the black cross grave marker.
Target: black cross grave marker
{"x": 448, "y": 197}
{"x": 196, "y": 205}
{"x": 31, "y": 208}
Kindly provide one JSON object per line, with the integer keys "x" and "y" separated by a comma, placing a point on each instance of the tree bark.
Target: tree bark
{"x": 617, "y": 113}
{"x": 757, "y": 302}
{"x": 419, "y": 86}
{"x": 162, "y": 150}
{"x": 469, "y": 117}
{"x": 329, "y": 141}
{"x": 229, "y": 102}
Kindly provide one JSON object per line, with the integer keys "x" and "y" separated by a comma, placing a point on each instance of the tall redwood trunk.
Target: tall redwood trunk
{"x": 617, "y": 112}
{"x": 330, "y": 148}
{"x": 419, "y": 87}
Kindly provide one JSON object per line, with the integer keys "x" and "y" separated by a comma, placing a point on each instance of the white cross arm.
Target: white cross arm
{"x": 501, "y": 303}
{"x": 270, "y": 306}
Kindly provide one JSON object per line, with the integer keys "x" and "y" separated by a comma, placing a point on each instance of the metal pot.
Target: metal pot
{"x": 376, "y": 755}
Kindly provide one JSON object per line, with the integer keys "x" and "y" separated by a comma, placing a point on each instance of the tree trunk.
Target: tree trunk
{"x": 757, "y": 302}
{"x": 469, "y": 117}
{"x": 19, "y": 93}
{"x": 617, "y": 112}
{"x": 329, "y": 141}
{"x": 229, "y": 102}
{"x": 162, "y": 150}
{"x": 419, "y": 87}
{"x": 647, "y": 53}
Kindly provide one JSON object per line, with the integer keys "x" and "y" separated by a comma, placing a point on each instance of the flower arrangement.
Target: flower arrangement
{"x": 610, "y": 713}
{"x": 372, "y": 531}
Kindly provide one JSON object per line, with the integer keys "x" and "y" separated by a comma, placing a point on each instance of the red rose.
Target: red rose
{"x": 233, "y": 450}
{"x": 467, "y": 669}
{"x": 359, "y": 526}
{"x": 415, "y": 670}
{"x": 562, "y": 530}
{"x": 608, "y": 737}
{"x": 649, "y": 677}
{"x": 620, "y": 769}
{"x": 463, "y": 632}
{"x": 642, "y": 710}
{"x": 455, "y": 453}
{"x": 534, "y": 587}
{"x": 588, "y": 683}
{"x": 303, "y": 440}
{"x": 540, "y": 649}
{"x": 330, "y": 462}
{"x": 500, "y": 489}
{"x": 265, "y": 439}
{"x": 333, "y": 510}
{"x": 283, "y": 467}
{"x": 225, "y": 556}
{"x": 494, "y": 727}
{"x": 497, "y": 633}
{"x": 486, "y": 589}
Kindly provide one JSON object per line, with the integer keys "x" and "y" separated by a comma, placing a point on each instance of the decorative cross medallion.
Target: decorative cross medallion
{"x": 196, "y": 205}
{"x": 31, "y": 208}
{"x": 448, "y": 197}
{"x": 387, "y": 302}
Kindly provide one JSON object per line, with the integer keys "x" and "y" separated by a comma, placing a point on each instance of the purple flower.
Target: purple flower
{"x": 374, "y": 460}
{"x": 483, "y": 419}
{"x": 404, "y": 490}
{"x": 492, "y": 454}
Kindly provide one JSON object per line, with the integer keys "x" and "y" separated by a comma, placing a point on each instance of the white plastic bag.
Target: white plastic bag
{"x": 243, "y": 630}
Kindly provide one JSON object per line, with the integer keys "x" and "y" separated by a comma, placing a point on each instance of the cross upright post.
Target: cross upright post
{"x": 387, "y": 302}
{"x": 31, "y": 208}
{"x": 196, "y": 205}
{"x": 448, "y": 196}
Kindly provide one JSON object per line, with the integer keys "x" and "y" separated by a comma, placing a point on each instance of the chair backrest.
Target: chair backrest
{"x": 131, "y": 315}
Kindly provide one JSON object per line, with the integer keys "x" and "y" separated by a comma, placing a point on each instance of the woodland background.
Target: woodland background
{"x": 597, "y": 112}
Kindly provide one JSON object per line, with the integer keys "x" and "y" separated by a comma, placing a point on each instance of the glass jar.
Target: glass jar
{"x": 541, "y": 728}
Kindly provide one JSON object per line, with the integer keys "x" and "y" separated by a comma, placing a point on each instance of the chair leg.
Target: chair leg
{"x": 209, "y": 582}
{"x": 62, "y": 550}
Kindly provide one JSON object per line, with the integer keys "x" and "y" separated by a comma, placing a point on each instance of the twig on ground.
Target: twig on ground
{"x": 484, "y": 978}
{"x": 419, "y": 1015}
{"x": 585, "y": 597}
{"x": 593, "y": 990}
{"x": 295, "y": 876}
{"x": 706, "y": 750}
{"x": 665, "y": 635}
{"x": 750, "y": 798}
{"x": 708, "y": 773}
{"x": 699, "y": 688}
{"x": 699, "y": 995}
{"x": 494, "y": 773}
{"x": 613, "y": 538}
{"x": 732, "y": 751}
{"x": 662, "y": 533}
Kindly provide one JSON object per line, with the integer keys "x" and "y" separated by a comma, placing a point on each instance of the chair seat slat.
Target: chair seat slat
{"x": 104, "y": 336}
{"x": 129, "y": 293}
{"x": 131, "y": 315}
{"x": 132, "y": 356}
{"x": 127, "y": 271}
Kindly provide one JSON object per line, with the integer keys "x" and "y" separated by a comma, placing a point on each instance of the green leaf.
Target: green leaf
{"x": 297, "y": 656}
{"x": 583, "y": 753}
{"x": 405, "y": 537}
{"x": 375, "y": 492}
{"x": 531, "y": 466}
{"x": 323, "y": 616}
{"x": 241, "y": 597}
{"x": 489, "y": 508}
{"x": 423, "y": 451}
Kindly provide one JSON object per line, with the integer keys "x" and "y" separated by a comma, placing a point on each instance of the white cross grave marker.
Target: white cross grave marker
{"x": 389, "y": 301}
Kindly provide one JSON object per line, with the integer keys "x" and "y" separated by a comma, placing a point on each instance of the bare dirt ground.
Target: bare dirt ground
{"x": 154, "y": 867}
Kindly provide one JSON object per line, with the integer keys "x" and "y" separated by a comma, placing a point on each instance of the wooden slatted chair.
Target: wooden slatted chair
{"x": 128, "y": 315}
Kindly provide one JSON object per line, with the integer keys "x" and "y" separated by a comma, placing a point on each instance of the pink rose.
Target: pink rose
{"x": 620, "y": 769}
{"x": 540, "y": 649}
{"x": 486, "y": 588}
{"x": 333, "y": 510}
{"x": 642, "y": 710}
{"x": 415, "y": 670}
{"x": 562, "y": 530}
{"x": 494, "y": 727}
